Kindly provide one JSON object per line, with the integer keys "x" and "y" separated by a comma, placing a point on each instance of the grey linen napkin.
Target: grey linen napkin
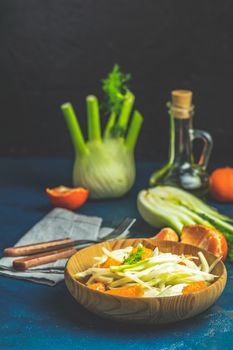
{"x": 59, "y": 223}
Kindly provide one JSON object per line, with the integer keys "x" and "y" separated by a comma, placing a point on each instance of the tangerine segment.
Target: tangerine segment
{"x": 69, "y": 198}
{"x": 167, "y": 234}
{"x": 205, "y": 237}
{"x": 97, "y": 286}
{"x": 194, "y": 287}
{"x": 110, "y": 262}
{"x": 147, "y": 252}
{"x": 132, "y": 291}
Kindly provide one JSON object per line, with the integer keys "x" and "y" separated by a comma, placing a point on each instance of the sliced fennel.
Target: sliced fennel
{"x": 169, "y": 206}
{"x": 163, "y": 274}
{"x": 104, "y": 163}
{"x": 118, "y": 254}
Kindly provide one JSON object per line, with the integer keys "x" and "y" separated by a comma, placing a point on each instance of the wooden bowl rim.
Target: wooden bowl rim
{"x": 202, "y": 291}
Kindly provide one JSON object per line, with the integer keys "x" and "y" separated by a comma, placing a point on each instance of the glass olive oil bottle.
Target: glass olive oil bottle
{"x": 181, "y": 170}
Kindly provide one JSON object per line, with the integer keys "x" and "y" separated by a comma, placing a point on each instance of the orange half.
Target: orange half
{"x": 69, "y": 198}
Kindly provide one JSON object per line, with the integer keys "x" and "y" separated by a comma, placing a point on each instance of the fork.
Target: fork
{"x": 43, "y": 247}
{"x": 47, "y": 255}
{"x": 114, "y": 234}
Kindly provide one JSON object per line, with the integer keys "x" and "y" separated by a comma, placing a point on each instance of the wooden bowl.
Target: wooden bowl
{"x": 142, "y": 310}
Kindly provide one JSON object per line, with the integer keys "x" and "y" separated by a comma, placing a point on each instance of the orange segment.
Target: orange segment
{"x": 97, "y": 286}
{"x": 132, "y": 291}
{"x": 147, "y": 252}
{"x": 206, "y": 238}
{"x": 167, "y": 234}
{"x": 110, "y": 262}
{"x": 69, "y": 198}
{"x": 194, "y": 287}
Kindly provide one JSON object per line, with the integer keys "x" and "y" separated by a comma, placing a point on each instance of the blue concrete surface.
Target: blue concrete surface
{"x": 38, "y": 317}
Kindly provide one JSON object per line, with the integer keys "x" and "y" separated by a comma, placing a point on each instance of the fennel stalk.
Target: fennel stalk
{"x": 104, "y": 163}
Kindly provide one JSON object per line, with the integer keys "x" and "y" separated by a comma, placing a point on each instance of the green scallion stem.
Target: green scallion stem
{"x": 125, "y": 111}
{"x": 74, "y": 128}
{"x": 94, "y": 129}
{"x": 110, "y": 124}
{"x": 134, "y": 130}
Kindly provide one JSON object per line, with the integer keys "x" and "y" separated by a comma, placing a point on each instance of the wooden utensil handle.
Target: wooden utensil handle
{"x": 41, "y": 259}
{"x": 38, "y": 247}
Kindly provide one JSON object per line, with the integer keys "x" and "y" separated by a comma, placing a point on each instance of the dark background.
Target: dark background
{"x": 54, "y": 51}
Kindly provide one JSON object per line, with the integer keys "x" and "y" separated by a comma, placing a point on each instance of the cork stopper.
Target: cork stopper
{"x": 181, "y": 103}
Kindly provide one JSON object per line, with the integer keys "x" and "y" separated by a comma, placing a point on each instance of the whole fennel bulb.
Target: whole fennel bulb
{"x": 108, "y": 170}
{"x": 105, "y": 164}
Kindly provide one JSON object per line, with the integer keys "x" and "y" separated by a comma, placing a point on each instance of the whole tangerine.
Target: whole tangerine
{"x": 221, "y": 184}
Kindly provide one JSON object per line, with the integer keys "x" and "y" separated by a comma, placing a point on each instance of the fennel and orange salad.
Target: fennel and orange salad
{"x": 144, "y": 272}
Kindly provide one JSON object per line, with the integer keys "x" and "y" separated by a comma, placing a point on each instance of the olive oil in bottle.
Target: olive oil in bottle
{"x": 181, "y": 170}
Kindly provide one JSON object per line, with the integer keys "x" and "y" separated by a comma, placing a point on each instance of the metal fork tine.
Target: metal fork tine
{"x": 114, "y": 234}
{"x": 126, "y": 224}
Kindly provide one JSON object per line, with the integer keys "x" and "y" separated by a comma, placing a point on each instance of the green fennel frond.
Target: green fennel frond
{"x": 115, "y": 87}
{"x": 134, "y": 257}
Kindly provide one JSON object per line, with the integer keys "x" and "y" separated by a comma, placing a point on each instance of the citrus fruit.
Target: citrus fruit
{"x": 205, "y": 237}
{"x": 132, "y": 291}
{"x": 97, "y": 286}
{"x": 221, "y": 184}
{"x": 69, "y": 198}
{"x": 167, "y": 234}
{"x": 194, "y": 287}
